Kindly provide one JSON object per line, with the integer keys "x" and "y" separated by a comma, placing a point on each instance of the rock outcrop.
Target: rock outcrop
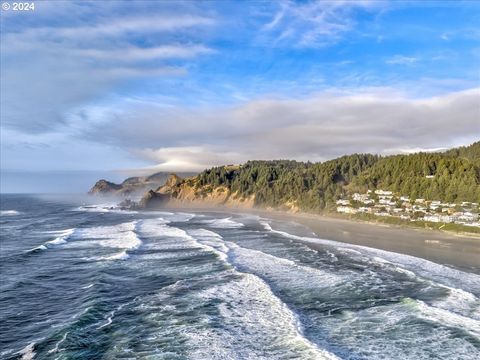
{"x": 133, "y": 186}
{"x": 178, "y": 192}
{"x": 103, "y": 187}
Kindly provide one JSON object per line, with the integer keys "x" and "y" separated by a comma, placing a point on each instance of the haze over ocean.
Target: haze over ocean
{"x": 92, "y": 281}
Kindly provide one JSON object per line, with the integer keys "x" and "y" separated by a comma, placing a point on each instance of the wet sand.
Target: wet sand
{"x": 459, "y": 251}
{"x": 462, "y": 252}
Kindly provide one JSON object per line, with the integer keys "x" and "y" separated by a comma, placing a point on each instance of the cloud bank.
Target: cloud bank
{"x": 316, "y": 128}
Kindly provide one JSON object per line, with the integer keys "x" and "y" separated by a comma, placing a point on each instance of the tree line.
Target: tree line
{"x": 452, "y": 176}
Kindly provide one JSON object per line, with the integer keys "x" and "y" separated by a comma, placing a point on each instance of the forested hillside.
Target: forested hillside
{"x": 453, "y": 176}
{"x": 471, "y": 152}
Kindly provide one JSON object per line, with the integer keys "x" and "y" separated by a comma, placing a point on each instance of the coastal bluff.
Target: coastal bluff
{"x": 188, "y": 191}
{"x": 131, "y": 187}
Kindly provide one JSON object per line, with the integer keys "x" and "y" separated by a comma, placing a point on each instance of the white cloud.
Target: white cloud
{"x": 57, "y": 68}
{"x": 314, "y": 23}
{"x": 316, "y": 128}
{"x": 144, "y": 24}
{"x": 186, "y": 158}
{"x": 135, "y": 53}
{"x": 402, "y": 60}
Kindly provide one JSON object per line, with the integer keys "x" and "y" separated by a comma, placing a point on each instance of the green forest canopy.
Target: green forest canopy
{"x": 316, "y": 186}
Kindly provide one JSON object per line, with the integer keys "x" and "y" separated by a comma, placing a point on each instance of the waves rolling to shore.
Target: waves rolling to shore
{"x": 95, "y": 282}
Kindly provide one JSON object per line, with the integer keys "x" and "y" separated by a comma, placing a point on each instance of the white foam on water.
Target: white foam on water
{"x": 211, "y": 241}
{"x": 172, "y": 217}
{"x": 88, "y": 286}
{"x": 225, "y": 223}
{"x": 460, "y": 302}
{"x": 104, "y": 208}
{"x": 460, "y": 308}
{"x": 283, "y": 272}
{"x": 204, "y": 233}
{"x": 109, "y": 320}
{"x": 57, "y": 345}
{"x": 122, "y": 255}
{"x": 100, "y": 208}
{"x": 64, "y": 235}
{"x": 38, "y": 248}
{"x": 9, "y": 213}
{"x": 250, "y": 322}
{"x": 181, "y": 239}
{"x": 332, "y": 256}
{"x": 180, "y": 217}
{"x": 442, "y": 274}
{"x": 28, "y": 352}
{"x": 167, "y": 237}
{"x": 447, "y": 318}
{"x": 255, "y": 325}
{"x": 122, "y": 236}
{"x": 62, "y": 238}
{"x": 401, "y": 331}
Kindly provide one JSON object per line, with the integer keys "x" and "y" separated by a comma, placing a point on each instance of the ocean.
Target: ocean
{"x": 90, "y": 281}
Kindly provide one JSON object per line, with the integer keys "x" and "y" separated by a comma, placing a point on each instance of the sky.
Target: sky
{"x": 117, "y": 88}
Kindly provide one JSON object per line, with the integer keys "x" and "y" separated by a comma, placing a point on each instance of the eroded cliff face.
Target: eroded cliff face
{"x": 104, "y": 187}
{"x": 186, "y": 192}
{"x": 134, "y": 186}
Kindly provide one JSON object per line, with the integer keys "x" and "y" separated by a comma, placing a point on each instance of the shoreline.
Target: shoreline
{"x": 446, "y": 248}
{"x": 459, "y": 251}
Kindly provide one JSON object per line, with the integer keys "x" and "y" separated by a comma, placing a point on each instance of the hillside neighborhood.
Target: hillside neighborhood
{"x": 387, "y": 204}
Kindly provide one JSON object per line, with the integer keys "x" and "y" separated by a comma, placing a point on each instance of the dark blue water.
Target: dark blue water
{"x": 95, "y": 282}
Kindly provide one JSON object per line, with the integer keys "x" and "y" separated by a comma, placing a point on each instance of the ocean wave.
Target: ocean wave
{"x": 28, "y": 352}
{"x": 250, "y": 321}
{"x": 280, "y": 271}
{"x": 460, "y": 302}
{"x": 441, "y": 274}
{"x": 402, "y": 330}
{"x": 122, "y": 236}
{"x": 447, "y": 318}
{"x": 211, "y": 241}
{"x": 175, "y": 238}
{"x": 9, "y": 212}
{"x": 104, "y": 208}
{"x": 122, "y": 255}
{"x": 270, "y": 328}
{"x": 62, "y": 238}
{"x": 109, "y": 320}
{"x": 277, "y": 269}
{"x": 64, "y": 235}
{"x": 225, "y": 223}
{"x": 172, "y": 217}
{"x": 57, "y": 345}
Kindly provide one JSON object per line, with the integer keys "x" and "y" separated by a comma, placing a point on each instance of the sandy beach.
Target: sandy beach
{"x": 462, "y": 252}
{"x": 459, "y": 251}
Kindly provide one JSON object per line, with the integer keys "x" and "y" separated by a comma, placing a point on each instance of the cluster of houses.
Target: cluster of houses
{"x": 385, "y": 203}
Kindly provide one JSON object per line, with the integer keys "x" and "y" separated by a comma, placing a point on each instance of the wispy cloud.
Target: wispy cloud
{"x": 314, "y": 23}
{"x": 402, "y": 60}
{"x": 135, "y": 53}
{"x": 146, "y": 24}
{"x": 58, "y": 67}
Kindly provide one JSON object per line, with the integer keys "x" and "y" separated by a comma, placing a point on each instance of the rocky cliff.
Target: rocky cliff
{"x": 133, "y": 186}
{"x": 188, "y": 192}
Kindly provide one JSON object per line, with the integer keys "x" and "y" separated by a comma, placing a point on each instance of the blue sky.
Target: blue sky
{"x": 118, "y": 88}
